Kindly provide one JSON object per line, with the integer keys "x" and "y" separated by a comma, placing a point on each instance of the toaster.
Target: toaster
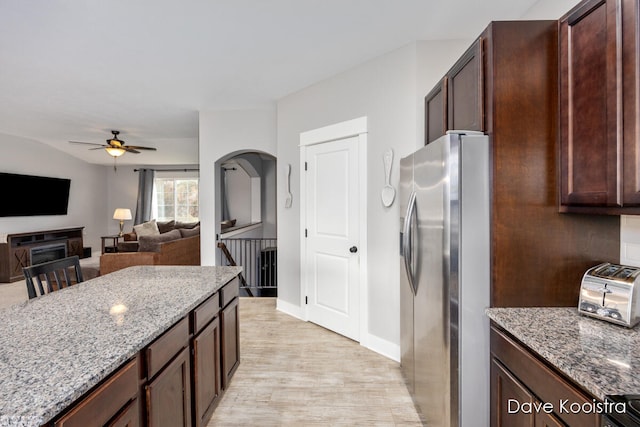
{"x": 611, "y": 292}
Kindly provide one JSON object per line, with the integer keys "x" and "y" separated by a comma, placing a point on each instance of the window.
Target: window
{"x": 175, "y": 198}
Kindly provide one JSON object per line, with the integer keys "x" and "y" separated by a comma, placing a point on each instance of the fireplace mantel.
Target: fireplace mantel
{"x": 15, "y": 252}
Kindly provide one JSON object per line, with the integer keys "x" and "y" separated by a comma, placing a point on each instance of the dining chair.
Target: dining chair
{"x": 52, "y": 275}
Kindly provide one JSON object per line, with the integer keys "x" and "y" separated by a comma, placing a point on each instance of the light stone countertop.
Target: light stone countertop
{"x": 601, "y": 357}
{"x": 53, "y": 349}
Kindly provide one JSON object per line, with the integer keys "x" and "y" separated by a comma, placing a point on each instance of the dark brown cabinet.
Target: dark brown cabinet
{"x": 527, "y": 392}
{"x": 548, "y": 420}
{"x": 230, "y": 323}
{"x": 513, "y": 405}
{"x": 465, "y": 91}
{"x": 15, "y": 253}
{"x": 207, "y": 384}
{"x": 504, "y": 390}
{"x": 113, "y": 402}
{"x": 177, "y": 380}
{"x": 457, "y": 101}
{"x": 599, "y": 108}
{"x": 168, "y": 391}
{"x": 435, "y": 112}
{"x": 169, "y": 394}
{"x": 129, "y": 417}
{"x": 506, "y": 85}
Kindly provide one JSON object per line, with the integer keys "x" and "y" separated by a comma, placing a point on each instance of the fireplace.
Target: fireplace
{"x": 46, "y": 253}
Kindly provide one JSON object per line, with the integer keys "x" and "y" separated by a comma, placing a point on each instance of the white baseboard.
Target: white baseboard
{"x": 290, "y": 309}
{"x": 383, "y": 347}
{"x": 372, "y": 342}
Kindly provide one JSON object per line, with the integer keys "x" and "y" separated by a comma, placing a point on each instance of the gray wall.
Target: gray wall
{"x": 388, "y": 91}
{"x": 224, "y": 134}
{"x": 88, "y": 194}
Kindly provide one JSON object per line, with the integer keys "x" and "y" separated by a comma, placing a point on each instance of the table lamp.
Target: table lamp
{"x": 122, "y": 214}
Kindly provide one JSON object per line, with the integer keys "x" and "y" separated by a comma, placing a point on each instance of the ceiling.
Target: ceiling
{"x": 74, "y": 70}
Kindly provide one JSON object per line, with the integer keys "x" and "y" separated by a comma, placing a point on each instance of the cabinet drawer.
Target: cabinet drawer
{"x": 545, "y": 383}
{"x": 205, "y": 312}
{"x": 106, "y": 401}
{"x": 229, "y": 292}
{"x": 162, "y": 350}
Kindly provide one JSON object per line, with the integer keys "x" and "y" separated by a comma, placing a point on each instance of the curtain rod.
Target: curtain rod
{"x": 170, "y": 170}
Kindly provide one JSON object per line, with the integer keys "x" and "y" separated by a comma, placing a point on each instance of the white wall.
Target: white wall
{"x": 549, "y": 9}
{"x": 390, "y": 92}
{"x": 269, "y": 197}
{"x": 239, "y": 195}
{"x": 387, "y": 90}
{"x": 223, "y": 133}
{"x": 123, "y": 192}
{"x": 87, "y": 196}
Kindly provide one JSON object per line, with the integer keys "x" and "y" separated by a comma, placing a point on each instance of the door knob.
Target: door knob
{"x": 353, "y": 249}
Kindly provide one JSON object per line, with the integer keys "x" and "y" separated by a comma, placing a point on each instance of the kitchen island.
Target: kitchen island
{"x": 57, "y": 348}
{"x": 554, "y": 355}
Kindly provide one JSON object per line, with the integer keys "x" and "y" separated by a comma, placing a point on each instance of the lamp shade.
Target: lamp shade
{"x": 122, "y": 214}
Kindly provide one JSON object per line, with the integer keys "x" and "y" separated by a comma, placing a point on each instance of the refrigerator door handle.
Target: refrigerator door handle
{"x": 407, "y": 247}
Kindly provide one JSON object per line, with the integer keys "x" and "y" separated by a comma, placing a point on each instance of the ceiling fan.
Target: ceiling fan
{"x": 115, "y": 147}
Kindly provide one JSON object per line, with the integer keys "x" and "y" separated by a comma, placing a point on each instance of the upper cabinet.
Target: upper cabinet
{"x": 457, "y": 101}
{"x": 435, "y": 112}
{"x": 599, "y": 97}
{"x": 465, "y": 91}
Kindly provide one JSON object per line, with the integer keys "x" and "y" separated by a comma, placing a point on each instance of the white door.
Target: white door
{"x": 332, "y": 235}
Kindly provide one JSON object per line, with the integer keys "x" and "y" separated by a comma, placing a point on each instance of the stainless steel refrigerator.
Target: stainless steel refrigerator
{"x": 445, "y": 274}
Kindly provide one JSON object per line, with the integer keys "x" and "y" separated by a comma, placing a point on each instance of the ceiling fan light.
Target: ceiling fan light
{"x": 114, "y": 151}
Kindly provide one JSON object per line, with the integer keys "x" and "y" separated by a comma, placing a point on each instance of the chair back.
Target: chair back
{"x": 52, "y": 276}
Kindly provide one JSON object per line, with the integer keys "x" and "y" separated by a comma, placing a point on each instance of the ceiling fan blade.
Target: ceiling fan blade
{"x": 86, "y": 143}
{"x": 136, "y": 147}
{"x": 130, "y": 150}
{"x": 98, "y": 148}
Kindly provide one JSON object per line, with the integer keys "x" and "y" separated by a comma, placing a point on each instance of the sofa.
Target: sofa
{"x": 152, "y": 243}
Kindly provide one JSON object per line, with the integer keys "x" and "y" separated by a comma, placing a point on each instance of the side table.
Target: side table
{"x": 113, "y": 247}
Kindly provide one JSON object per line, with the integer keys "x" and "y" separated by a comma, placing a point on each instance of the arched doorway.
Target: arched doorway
{"x": 246, "y": 224}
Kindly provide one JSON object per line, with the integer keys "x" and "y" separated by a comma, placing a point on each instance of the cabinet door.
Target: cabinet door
{"x": 547, "y": 420}
{"x": 75, "y": 247}
{"x": 631, "y": 101}
{"x": 230, "y": 323}
{"x": 18, "y": 259}
{"x": 169, "y": 394}
{"x": 507, "y": 395}
{"x": 590, "y": 105}
{"x": 206, "y": 372}
{"x": 465, "y": 91}
{"x": 435, "y": 112}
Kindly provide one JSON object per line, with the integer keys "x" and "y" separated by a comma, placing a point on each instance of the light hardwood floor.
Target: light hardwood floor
{"x": 294, "y": 373}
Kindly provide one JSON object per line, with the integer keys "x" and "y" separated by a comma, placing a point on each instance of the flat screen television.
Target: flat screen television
{"x": 29, "y": 195}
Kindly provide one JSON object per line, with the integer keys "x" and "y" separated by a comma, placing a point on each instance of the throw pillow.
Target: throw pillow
{"x": 164, "y": 226}
{"x": 153, "y": 243}
{"x": 146, "y": 229}
{"x": 180, "y": 224}
{"x": 189, "y": 232}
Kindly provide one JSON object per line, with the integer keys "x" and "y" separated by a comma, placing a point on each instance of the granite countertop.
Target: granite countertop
{"x": 53, "y": 349}
{"x": 601, "y": 357}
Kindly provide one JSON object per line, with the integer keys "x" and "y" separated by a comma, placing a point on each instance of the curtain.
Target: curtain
{"x": 145, "y": 194}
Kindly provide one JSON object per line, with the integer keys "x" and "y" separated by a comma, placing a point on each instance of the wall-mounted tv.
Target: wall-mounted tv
{"x": 29, "y": 195}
